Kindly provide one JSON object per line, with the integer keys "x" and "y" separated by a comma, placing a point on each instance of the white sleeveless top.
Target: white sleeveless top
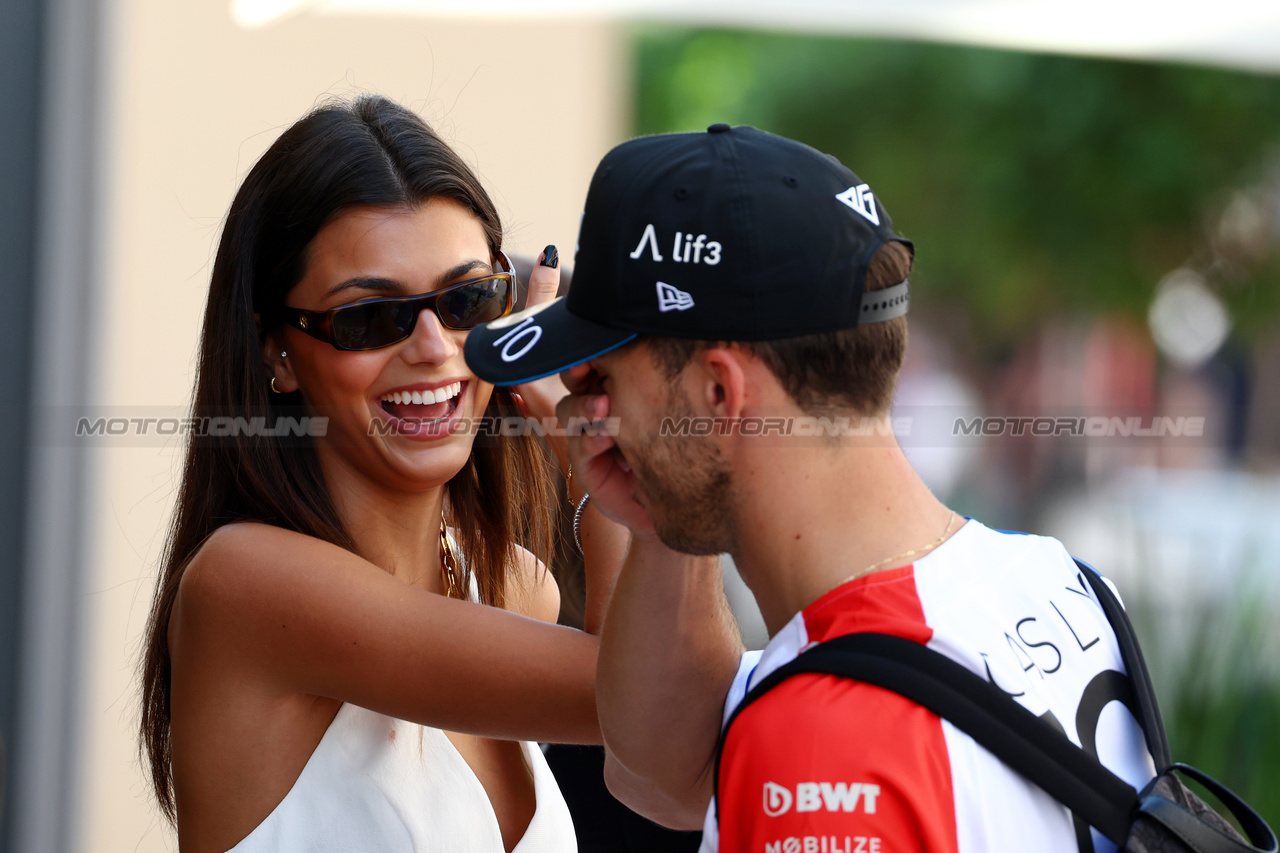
{"x": 376, "y": 784}
{"x": 383, "y": 785}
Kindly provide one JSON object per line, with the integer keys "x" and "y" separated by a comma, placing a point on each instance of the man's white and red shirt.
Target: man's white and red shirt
{"x": 824, "y": 764}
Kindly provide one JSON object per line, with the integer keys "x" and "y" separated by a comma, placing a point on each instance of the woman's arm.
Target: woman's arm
{"x": 295, "y": 614}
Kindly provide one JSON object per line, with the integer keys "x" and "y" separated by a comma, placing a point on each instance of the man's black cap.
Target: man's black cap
{"x": 730, "y": 235}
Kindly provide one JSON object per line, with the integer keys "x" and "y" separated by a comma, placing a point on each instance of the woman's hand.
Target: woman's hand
{"x": 541, "y": 395}
{"x": 593, "y": 452}
{"x": 604, "y": 543}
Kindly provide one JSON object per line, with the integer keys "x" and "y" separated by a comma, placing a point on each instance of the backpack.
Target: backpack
{"x": 1164, "y": 816}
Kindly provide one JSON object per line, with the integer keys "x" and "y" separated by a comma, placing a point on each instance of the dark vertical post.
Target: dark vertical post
{"x": 20, "y": 123}
{"x": 51, "y": 150}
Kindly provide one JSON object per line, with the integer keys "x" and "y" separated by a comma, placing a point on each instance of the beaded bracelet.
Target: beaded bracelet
{"x": 577, "y": 520}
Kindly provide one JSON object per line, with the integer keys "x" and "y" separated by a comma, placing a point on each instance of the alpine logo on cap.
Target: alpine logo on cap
{"x": 861, "y": 200}
{"x": 673, "y": 298}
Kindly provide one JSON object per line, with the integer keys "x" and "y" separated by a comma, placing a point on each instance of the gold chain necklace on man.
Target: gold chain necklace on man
{"x": 951, "y": 519}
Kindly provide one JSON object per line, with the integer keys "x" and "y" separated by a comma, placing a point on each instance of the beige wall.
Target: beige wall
{"x": 194, "y": 100}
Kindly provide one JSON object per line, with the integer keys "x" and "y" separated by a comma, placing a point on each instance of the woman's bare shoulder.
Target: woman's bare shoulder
{"x": 531, "y": 589}
{"x": 243, "y": 544}
{"x": 253, "y": 586}
{"x": 242, "y": 561}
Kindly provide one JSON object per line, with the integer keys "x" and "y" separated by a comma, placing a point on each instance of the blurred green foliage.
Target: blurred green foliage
{"x": 1232, "y": 736}
{"x": 1031, "y": 184}
{"x": 1216, "y": 673}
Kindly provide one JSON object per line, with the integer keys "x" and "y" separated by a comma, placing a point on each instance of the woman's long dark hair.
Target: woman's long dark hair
{"x": 367, "y": 152}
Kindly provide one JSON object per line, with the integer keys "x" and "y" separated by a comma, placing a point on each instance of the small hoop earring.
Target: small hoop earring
{"x": 273, "y": 386}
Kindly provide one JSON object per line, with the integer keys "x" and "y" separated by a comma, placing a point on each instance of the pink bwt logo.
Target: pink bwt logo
{"x": 814, "y": 796}
{"x": 777, "y": 799}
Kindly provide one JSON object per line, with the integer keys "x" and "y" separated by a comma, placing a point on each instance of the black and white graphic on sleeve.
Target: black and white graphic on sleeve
{"x": 862, "y": 201}
{"x": 1063, "y": 641}
{"x": 522, "y": 334}
{"x": 685, "y": 248}
{"x": 1030, "y": 646}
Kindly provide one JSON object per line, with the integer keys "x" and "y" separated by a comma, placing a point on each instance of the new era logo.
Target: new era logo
{"x": 861, "y": 200}
{"x": 673, "y": 298}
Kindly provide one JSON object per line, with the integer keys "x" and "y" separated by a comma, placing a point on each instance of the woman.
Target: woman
{"x": 311, "y": 680}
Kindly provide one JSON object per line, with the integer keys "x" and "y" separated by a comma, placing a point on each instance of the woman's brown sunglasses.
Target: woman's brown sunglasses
{"x": 381, "y": 322}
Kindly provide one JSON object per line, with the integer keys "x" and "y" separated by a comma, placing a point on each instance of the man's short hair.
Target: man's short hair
{"x": 847, "y": 370}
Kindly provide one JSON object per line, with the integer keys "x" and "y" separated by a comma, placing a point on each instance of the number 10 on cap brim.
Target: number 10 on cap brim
{"x": 538, "y": 342}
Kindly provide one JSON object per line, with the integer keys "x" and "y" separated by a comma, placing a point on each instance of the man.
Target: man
{"x": 738, "y": 306}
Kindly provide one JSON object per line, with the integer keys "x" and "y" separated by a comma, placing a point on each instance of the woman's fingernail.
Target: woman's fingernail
{"x": 550, "y": 257}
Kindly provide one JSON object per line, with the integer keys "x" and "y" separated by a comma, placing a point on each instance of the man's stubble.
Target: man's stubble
{"x": 687, "y": 487}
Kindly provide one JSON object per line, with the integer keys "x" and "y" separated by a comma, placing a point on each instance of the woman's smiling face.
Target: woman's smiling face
{"x": 374, "y": 427}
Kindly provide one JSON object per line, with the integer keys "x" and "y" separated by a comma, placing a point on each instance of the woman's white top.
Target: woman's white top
{"x": 376, "y": 784}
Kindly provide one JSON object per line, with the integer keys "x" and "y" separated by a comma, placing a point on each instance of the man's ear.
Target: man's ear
{"x": 722, "y": 380}
{"x": 276, "y": 359}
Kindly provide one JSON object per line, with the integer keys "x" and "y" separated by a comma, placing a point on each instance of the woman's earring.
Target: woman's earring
{"x": 283, "y": 354}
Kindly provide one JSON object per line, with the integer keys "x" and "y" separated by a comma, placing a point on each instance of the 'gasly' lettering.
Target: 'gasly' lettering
{"x": 686, "y": 249}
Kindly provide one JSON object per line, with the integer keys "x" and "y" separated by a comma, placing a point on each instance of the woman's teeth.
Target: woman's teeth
{"x": 424, "y": 398}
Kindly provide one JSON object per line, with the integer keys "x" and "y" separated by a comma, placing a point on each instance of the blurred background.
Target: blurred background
{"x": 1093, "y": 190}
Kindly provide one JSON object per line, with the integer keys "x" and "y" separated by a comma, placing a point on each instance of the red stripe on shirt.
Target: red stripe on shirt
{"x": 823, "y": 764}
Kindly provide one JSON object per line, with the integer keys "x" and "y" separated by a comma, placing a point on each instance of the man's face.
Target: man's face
{"x": 682, "y": 481}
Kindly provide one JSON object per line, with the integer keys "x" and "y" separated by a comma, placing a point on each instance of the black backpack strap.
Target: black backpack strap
{"x": 1143, "y": 691}
{"x": 1199, "y": 834}
{"x": 1004, "y": 728}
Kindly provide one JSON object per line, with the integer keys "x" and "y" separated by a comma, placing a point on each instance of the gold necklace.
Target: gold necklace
{"x": 951, "y": 519}
{"x": 448, "y": 565}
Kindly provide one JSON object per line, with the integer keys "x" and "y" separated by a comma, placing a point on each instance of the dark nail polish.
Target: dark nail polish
{"x": 550, "y": 257}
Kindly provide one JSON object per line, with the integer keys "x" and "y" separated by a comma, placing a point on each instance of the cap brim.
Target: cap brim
{"x": 538, "y": 342}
